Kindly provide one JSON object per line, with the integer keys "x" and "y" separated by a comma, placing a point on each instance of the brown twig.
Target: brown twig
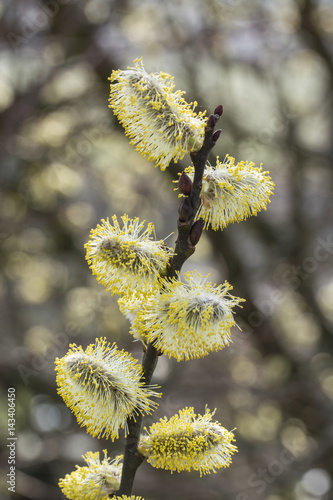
{"x": 183, "y": 250}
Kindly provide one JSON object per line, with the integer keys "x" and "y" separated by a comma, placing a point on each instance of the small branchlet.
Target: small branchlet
{"x": 190, "y": 206}
{"x": 213, "y": 119}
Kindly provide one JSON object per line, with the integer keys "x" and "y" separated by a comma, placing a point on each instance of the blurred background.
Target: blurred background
{"x": 66, "y": 164}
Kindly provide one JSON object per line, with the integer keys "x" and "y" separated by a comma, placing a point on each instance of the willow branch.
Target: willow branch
{"x": 190, "y": 205}
{"x": 184, "y": 248}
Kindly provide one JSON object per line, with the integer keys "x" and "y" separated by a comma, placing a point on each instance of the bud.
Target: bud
{"x": 185, "y": 210}
{"x": 185, "y": 184}
{"x": 218, "y": 110}
{"x": 211, "y": 122}
{"x": 216, "y": 135}
{"x": 196, "y": 231}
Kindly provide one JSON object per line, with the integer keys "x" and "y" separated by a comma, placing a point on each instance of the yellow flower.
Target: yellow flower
{"x": 95, "y": 482}
{"x": 159, "y": 122}
{"x": 188, "y": 442}
{"x": 232, "y": 192}
{"x": 186, "y": 320}
{"x": 102, "y": 387}
{"x": 125, "y": 258}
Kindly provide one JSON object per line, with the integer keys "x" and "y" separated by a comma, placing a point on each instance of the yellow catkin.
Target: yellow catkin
{"x": 159, "y": 122}
{"x": 96, "y": 481}
{"x": 186, "y": 320}
{"x": 188, "y": 441}
{"x": 102, "y": 387}
{"x": 125, "y": 257}
{"x": 232, "y": 192}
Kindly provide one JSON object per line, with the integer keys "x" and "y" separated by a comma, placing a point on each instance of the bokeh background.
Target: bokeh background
{"x": 66, "y": 164}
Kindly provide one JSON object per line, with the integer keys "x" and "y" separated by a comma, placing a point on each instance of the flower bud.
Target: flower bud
{"x": 218, "y": 110}
{"x": 216, "y": 135}
{"x": 211, "y": 122}
{"x": 185, "y": 210}
{"x": 185, "y": 184}
{"x": 196, "y": 231}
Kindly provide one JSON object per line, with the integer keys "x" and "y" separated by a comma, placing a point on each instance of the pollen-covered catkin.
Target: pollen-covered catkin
{"x": 125, "y": 257}
{"x": 159, "y": 122}
{"x": 102, "y": 386}
{"x": 186, "y": 320}
{"x": 188, "y": 441}
{"x": 232, "y": 192}
{"x": 96, "y": 481}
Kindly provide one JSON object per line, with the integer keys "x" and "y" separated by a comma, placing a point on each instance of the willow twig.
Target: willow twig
{"x": 183, "y": 250}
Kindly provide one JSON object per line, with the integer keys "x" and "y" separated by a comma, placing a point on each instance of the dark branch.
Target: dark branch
{"x": 133, "y": 459}
{"x": 190, "y": 205}
{"x": 183, "y": 250}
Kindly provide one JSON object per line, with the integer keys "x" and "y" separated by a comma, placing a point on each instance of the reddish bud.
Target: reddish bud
{"x": 216, "y": 135}
{"x": 196, "y": 231}
{"x": 211, "y": 122}
{"x": 219, "y": 110}
{"x": 185, "y": 210}
{"x": 185, "y": 184}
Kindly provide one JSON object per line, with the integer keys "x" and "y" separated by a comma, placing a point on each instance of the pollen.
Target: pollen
{"x": 159, "y": 122}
